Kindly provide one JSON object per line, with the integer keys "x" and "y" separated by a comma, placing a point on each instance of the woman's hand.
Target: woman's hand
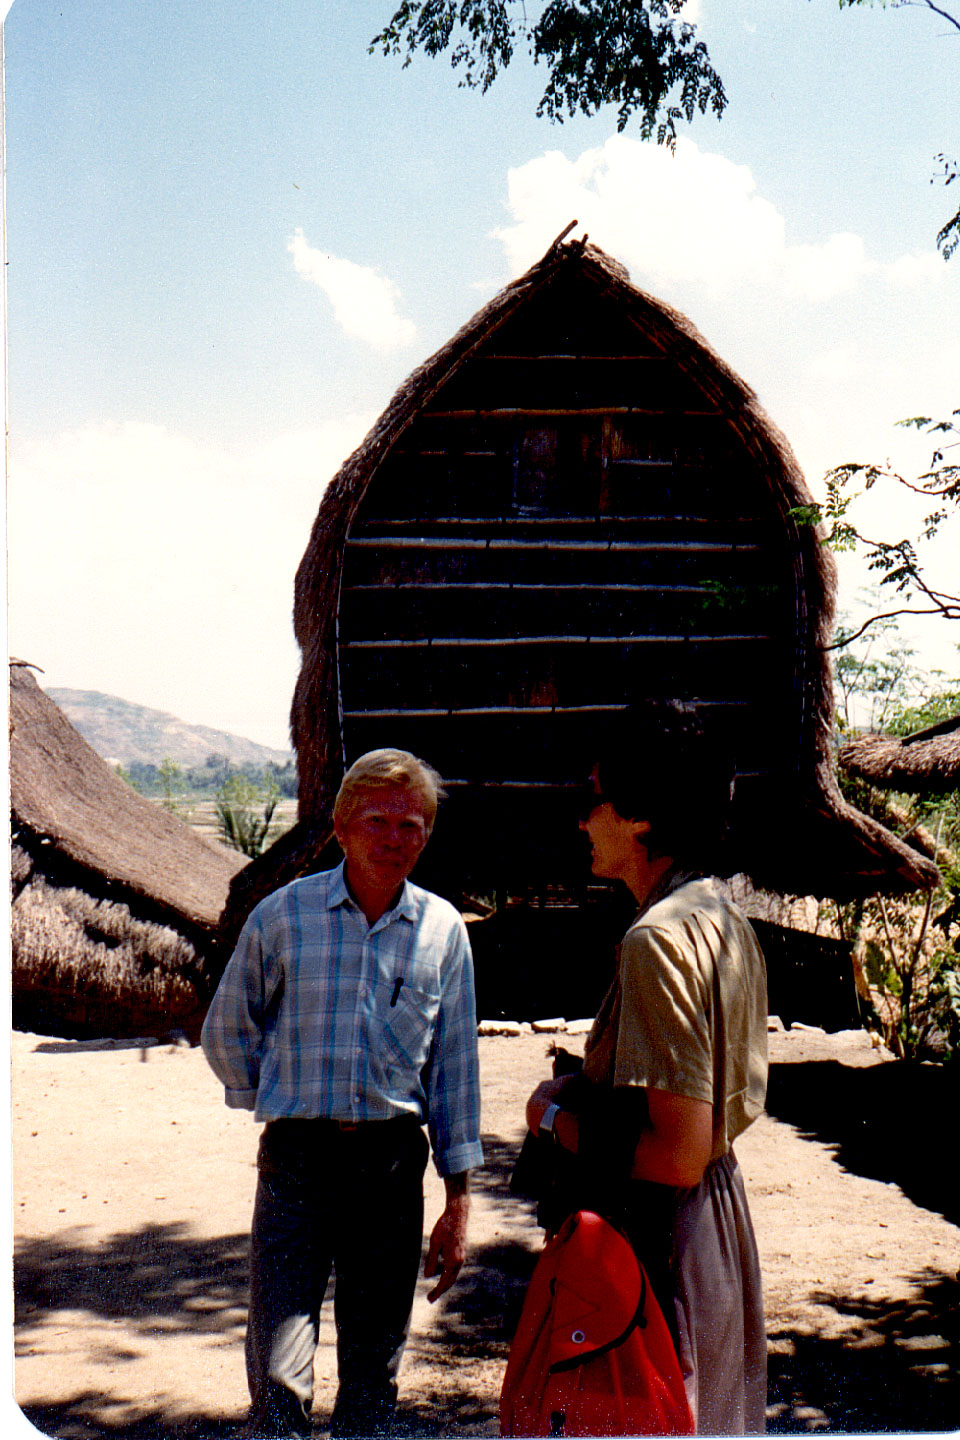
{"x": 548, "y": 1092}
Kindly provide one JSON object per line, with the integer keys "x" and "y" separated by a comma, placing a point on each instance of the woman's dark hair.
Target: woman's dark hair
{"x": 659, "y": 762}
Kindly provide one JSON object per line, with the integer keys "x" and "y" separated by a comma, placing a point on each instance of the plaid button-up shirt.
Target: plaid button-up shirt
{"x": 320, "y": 1014}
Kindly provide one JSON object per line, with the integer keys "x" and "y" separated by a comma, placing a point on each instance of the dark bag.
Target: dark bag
{"x": 595, "y": 1178}
{"x": 547, "y": 1173}
{"x": 592, "y": 1354}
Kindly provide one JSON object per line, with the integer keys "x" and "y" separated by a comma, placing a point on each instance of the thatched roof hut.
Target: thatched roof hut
{"x": 115, "y": 901}
{"x": 924, "y": 763}
{"x": 574, "y": 503}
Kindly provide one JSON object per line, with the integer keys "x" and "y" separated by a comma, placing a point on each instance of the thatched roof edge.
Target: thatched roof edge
{"x": 74, "y": 813}
{"x": 925, "y": 763}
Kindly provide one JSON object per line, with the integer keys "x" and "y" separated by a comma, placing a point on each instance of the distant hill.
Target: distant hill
{"x": 121, "y": 732}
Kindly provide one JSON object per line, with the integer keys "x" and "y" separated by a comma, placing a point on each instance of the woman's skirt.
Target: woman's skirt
{"x": 699, "y": 1250}
{"x": 721, "y": 1334}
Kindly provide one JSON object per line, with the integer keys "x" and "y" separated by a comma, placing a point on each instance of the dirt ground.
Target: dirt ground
{"x": 132, "y": 1190}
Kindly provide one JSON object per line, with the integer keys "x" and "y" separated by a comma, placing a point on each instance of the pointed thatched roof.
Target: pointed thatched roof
{"x": 68, "y": 801}
{"x": 822, "y": 845}
{"x": 924, "y": 763}
{"x": 314, "y": 721}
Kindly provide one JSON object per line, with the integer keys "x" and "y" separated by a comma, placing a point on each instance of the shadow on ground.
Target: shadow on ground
{"x": 895, "y": 1370}
{"x": 892, "y": 1122}
{"x": 160, "y": 1279}
{"x": 87, "y": 1416}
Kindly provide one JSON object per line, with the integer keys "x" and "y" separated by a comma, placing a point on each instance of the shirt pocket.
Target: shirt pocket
{"x": 408, "y": 1025}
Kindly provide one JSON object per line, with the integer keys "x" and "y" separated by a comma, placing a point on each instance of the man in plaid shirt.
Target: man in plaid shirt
{"x": 346, "y": 1019}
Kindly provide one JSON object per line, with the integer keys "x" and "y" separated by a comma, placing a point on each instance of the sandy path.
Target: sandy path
{"x": 132, "y": 1191}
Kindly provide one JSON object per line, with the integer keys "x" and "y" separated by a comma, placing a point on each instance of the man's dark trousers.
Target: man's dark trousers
{"x": 349, "y": 1199}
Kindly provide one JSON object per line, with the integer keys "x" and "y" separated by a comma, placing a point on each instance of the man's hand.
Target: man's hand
{"x": 448, "y": 1240}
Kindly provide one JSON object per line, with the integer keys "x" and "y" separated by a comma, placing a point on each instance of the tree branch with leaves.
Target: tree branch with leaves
{"x": 897, "y": 563}
{"x": 642, "y": 57}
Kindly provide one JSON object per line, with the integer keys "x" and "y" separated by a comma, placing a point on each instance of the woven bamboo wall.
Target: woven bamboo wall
{"x": 571, "y": 522}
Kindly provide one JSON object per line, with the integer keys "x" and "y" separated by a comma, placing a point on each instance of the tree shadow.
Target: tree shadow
{"x": 895, "y": 1372}
{"x": 86, "y": 1416}
{"x": 159, "y": 1278}
{"x": 493, "y": 1176}
{"x": 480, "y": 1315}
{"x": 891, "y": 1122}
{"x": 894, "y": 1369}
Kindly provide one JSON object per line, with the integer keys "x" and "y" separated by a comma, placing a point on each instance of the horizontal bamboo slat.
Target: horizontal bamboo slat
{"x": 547, "y": 747}
{"x": 536, "y": 712}
{"x": 571, "y": 385}
{"x": 385, "y": 525}
{"x": 521, "y": 587}
{"x": 437, "y": 542}
{"x": 439, "y": 642}
{"x": 554, "y": 412}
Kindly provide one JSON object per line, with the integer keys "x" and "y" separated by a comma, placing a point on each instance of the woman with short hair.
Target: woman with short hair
{"x": 675, "y": 1067}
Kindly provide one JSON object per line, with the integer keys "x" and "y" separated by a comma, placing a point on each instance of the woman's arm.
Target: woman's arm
{"x": 676, "y": 1148}
{"x": 673, "y": 1149}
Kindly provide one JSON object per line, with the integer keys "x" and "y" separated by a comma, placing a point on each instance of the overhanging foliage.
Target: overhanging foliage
{"x": 643, "y": 57}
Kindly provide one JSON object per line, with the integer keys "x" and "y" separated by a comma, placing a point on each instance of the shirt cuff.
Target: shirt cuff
{"x": 459, "y": 1158}
{"x": 240, "y": 1099}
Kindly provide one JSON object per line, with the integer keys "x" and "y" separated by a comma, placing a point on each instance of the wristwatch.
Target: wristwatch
{"x": 549, "y": 1116}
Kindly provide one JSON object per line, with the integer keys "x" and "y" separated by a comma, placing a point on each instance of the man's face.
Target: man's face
{"x": 383, "y": 839}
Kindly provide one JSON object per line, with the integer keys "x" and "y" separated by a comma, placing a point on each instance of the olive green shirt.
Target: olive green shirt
{"x": 687, "y": 1011}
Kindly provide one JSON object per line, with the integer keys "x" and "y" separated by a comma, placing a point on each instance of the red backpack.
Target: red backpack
{"x": 592, "y": 1354}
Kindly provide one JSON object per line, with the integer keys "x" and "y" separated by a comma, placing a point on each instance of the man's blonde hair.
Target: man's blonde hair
{"x": 396, "y": 768}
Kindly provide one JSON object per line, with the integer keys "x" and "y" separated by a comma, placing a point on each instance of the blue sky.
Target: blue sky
{"x": 232, "y": 234}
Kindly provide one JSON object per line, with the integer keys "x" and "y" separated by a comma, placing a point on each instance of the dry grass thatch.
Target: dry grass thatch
{"x": 823, "y": 846}
{"x": 83, "y": 966}
{"x": 69, "y": 799}
{"x": 925, "y": 763}
{"x": 115, "y": 901}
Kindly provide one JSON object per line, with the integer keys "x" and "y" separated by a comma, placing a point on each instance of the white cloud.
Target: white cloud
{"x": 692, "y": 216}
{"x": 819, "y": 272}
{"x": 151, "y": 566}
{"x": 364, "y": 302}
{"x": 836, "y": 365}
{"x": 915, "y": 270}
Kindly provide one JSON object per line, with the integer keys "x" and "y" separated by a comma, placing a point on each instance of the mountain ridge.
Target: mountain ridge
{"x": 123, "y": 732}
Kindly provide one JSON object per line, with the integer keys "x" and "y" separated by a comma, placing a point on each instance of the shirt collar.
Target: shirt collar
{"x": 671, "y": 880}
{"x": 339, "y": 894}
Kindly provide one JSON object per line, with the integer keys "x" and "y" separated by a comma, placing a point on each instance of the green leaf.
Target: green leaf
{"x": 875, "y": 964}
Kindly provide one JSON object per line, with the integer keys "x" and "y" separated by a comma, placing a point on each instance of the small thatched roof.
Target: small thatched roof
{"x": 821, "y": 844}
{"x": 68, "y": 803}
{"x": 115, "y": 901}
{"x": 925, "y": 763}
